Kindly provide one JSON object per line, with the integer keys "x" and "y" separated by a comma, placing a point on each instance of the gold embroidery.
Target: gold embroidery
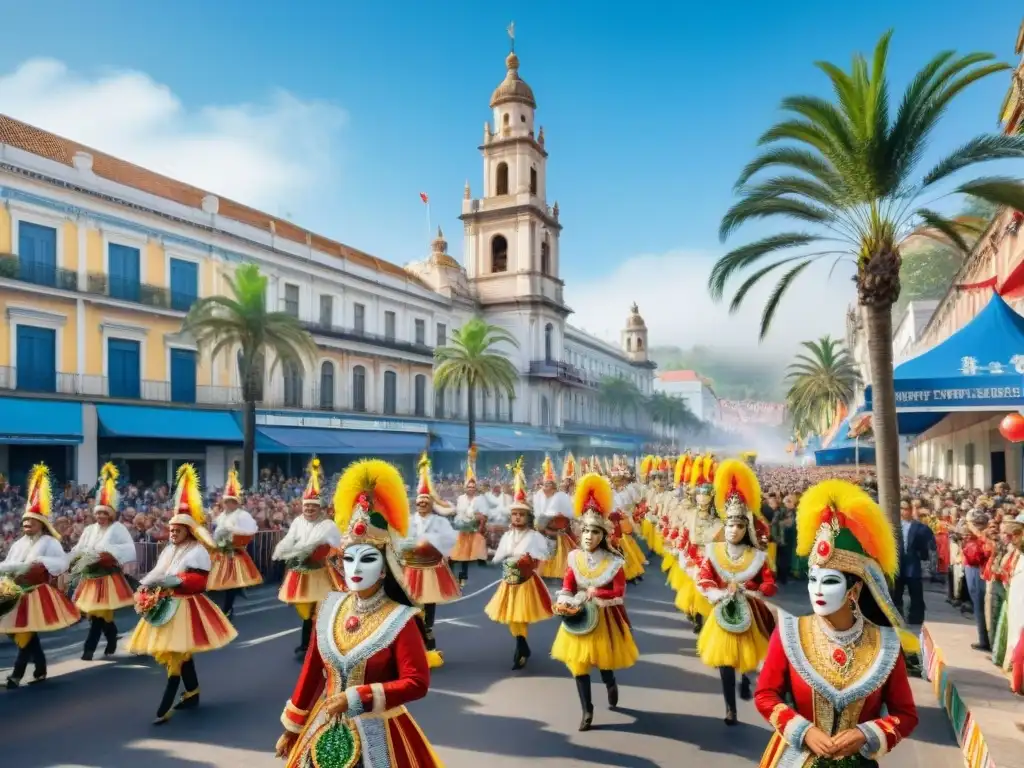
{"x": 579, "y": 563}
{"x": 723, "y": 561}
{"x": 818, "y": 651}
{"x": 777, "y": 712}
{"x": 368, "y": 624}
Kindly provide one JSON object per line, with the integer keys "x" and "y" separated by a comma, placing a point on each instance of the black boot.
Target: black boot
{"x": 586, "y": 704}
{"x": 522, "y": 653}
{"x": 229, "y": 602}
{"x": 463, "y": 573}
{"x": 429, "y": 613}
{"x": 698, "y": 623}
{"x": 20, "y": 665}
{"x": 307, "y": 632}
{"x": 110, "y": 634}
{"x": 93, "y": 638}
{"x": 190, "y": 697}
{"x": 608, "y": 678}
{"x": 35, "y": 647}
{"x": 745, "y": 692}
{"x": 163, "y": 714}
{"x": 728, "y": 675}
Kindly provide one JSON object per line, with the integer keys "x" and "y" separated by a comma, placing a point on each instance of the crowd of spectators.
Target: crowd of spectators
{"x": 735, "y": 413}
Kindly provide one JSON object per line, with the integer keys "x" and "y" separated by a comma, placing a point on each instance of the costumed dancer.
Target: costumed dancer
{"x": 177, "y": 620}
{"x": 428, "y": 579}
{"x": 834, "y": 684}
{"x": 29, "y": 605}
{"x": 634, "y": 556}
{"x": 676, "y": 505}
{"x": 1012, "y": 533}
{"x": 570, "y": 472}
{"x": 233, "y": 568}
{"x": 367, "y": 659}
{"x": 521, "y": 598}
{"x": 734, "y": 577}
{"x": 645, "y": 503}
{"x": 553, "y": 511}
{"x": 470, "y": 522}
{"x": 304, "y": 550}
{"x": 98, "y": 560}
{"x": 595, "y": 629}
{"x": 703, "y": 527}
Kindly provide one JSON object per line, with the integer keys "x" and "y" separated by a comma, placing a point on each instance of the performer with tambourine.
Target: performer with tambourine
{"x": 470, "y": 522}
{"x": 521, "y": 598}
{"x": 595, "y": 629}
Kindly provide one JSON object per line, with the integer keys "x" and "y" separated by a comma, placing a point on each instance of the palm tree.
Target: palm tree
{"x": 820, "y": 380}
{"x": 473, "y": 361}
{"x": 851, "y": 176}
{"x": 619, "y": 394}
{"x": 241, "y": 320}
{"x": 671, "y": 412}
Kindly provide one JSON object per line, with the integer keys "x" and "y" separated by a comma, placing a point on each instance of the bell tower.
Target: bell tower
{"x": 634, "y": 336}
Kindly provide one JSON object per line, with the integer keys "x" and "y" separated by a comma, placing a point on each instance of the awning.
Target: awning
{"x": 978, "y": 368}
{"x": 40, "y": 422}
{"x": 309, "y": 440}
{"x": 513, "y": 439}
{"x": 168, "y": 423}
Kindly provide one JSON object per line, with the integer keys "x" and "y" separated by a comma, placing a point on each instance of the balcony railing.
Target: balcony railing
{"x": 13, "y": 268}
{"x": 563, "y": 372}
{"x": 376, "y": 339}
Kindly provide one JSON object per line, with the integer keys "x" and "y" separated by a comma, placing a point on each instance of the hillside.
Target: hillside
{"x": 733, "y": 376}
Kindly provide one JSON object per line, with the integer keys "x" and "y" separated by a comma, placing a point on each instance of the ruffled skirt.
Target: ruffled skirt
{"x": 743, "y": 651}
{"x": 41, "y": 609}
{"x": 647, "y": 532}
{"x": 306, "y": 587}
{"x": 431, "y": 584}
{"x": 609, "y": 646}
{"x": 525, "y": 603}
{"x": 232, "y": 570}
{"x": 634, "y": 556}
{"x": 196, "y": 626}
{"x": 554, "y": 567}
{"x": 689, "y": 599}
{"x": 469, "y": 547}
{"x": 104, "y": 594}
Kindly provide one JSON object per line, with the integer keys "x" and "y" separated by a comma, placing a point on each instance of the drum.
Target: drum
{"x": 583, "y": 621}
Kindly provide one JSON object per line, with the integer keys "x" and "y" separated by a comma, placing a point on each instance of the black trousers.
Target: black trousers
{"x": 915, "y": 587}
{"x": 32, "y": 652}
{"x": 784, "y": 562}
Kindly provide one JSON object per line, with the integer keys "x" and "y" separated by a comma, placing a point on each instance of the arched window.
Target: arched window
{"x": 255, "y": 376}
{"x": 499, "y": 254}
{"x": 327, "y": 385}
{"x": 501, "y": 179}
{"x": 629, "y": 343}
{"x": 420, "y": 395}
{"x": 292, "y": 374}
{"x": 545, "y": 416}
{"x": 533, "y": 181}
{"x": 545, "y": 258}
{"x": 439, "y": 404}
{"x": 359, "y": 388}
{"x": 390, "y": 392}
{"x": 548, "y": 334}
{"x": 639, "y": 345}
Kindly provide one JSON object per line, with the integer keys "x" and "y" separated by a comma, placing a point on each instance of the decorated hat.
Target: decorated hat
{"x": 569, "y": 467}
{"x": 107, "y": 497}
{"x": 520, "y": 498}
{"x": 311, "y": 495}
{"x": 840, "y": 526}
{"x": 188, "y": 505}
{"x": 646, "y": 465}
{"x": 40, "y": 499}
{"x": 232, "y": 488}
{"x": 738, "y": 497}
{"x": 470, "y": 466}
{"x": 681, "y": 474}
{"x": 594, "y": 501}
{"x": 425, "y": 487}
{"x": 549, "y": 471}
{"x": 702, "y": 475}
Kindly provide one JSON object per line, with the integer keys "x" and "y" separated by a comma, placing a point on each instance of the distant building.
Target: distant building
{"x": 909, "y": 328}
{"x": 700, "y": 398}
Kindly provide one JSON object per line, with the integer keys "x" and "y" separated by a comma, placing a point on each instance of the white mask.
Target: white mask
{"x": 590, "y": 538}
{"x": 734, "y": 532}
{"x": 827, "y": 588}
{"x": 364, "y": 567}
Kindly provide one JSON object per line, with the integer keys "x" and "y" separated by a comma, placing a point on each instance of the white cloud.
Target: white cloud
{"x": 275, "y": 155}
{"x": 671, "y": 291}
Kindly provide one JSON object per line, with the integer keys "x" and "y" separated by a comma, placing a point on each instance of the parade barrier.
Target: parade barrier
{"x": 974, "y": 694}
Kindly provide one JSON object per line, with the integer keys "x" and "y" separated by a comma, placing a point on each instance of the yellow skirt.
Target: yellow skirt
{"x": 469, "y": 547}
{"x": 104, "y": 594}
{"x": 634, "y": 556}
{"x": 658, "y": 544}
{"x": 525, "y": 603}
{"x": 42, "y": 609}
{"x": 305, "y": 587}
{"x": 742, "y": 651}
{"x": 647, "y": 532}
{"x": 232, "y": 570}
{"x": 197, "y": 626}
{"x": 609, "y": 646}
{"x": 555, "y": 567}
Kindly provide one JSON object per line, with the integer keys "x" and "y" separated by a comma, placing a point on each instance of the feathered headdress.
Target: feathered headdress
{"x": 232, "y": 488}
{"x": 470, "y": 466}
{"x": 738, "y": 496}
{"x": 594, "y": 501}
{"x": 549, "y": 470}
{"x": 681, "y": 475}
{"x": 106, "y": 495}
{"x": 520, "y": 498}
{"x": 702, "y": 475}
{"x": 425, "y": 489}
{"x": 569, "y": 467}
{"x": 188, "y": 504}
{"x": 40, "y": 498}
{"x": 370, "y": 503}
{"x": 839, "y": 526}
{"x": 312, "y": 493}
{"x": 646, "y": 465}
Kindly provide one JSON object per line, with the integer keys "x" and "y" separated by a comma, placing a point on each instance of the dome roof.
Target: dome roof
{"x": 513, "y": 88}
{"x": 634, "y": 320}
{"x": 439, "y": 253}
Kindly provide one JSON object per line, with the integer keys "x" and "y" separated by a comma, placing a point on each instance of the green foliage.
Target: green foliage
{"x": 820, "y": 380}
{"x": 732, "y": 376}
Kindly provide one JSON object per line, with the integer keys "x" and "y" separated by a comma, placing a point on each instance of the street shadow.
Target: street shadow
{"x": 708, "y": 734}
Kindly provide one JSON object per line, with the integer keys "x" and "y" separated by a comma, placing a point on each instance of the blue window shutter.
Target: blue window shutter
{"x": 37, "y": 359}
{"x": 37, "y": 253}
{"x": 183, "y": 376}
{"x": 123, "y": 378}
{"x": 124, "y": 272}
{"x": 184, "y": 284}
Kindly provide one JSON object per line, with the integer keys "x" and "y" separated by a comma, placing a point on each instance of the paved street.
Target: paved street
{"x": 98, "y": 715}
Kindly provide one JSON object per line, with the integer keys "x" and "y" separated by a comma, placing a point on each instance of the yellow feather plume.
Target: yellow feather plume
{"x": 861, "y": 516}
{"x": 314, "y": 473}
{"x": 732, "y": 475}
{"x": 594, "y": 491}
{"x": 188, "y": 493}
{"x": 645, "y": 466}
{"x": 682, "y": 469}
{"x": 109, "y": 472}
{"x": 40, "y": 494}
{"x": 384, "y": 488}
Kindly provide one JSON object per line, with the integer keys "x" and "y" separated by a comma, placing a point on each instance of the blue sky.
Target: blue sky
{"x": 347, "y": 111}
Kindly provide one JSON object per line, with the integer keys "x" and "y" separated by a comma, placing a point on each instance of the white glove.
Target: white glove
{"x": 9, "y": 567}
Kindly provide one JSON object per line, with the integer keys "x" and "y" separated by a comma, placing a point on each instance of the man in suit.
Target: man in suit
{"x": 917, "y": 540}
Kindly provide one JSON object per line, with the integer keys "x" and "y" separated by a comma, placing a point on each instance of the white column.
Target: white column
{"x": 87, "y": 456}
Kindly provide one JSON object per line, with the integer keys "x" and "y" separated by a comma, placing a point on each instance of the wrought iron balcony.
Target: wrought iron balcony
{"x": 13, "y": 268}
{"x": 562, "y": 372}
{"x": 376, "y": 339}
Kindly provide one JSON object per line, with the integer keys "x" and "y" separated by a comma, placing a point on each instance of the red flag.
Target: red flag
{"x": 424, "y": 198}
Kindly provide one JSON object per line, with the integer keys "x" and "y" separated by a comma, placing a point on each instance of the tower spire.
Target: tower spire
{"x": 511, "y": 37}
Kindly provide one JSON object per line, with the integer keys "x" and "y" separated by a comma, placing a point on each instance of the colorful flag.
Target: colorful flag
{"x": 424, "y": 198}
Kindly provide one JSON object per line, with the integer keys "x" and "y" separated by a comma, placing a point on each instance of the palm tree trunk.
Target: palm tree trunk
{"x": 471, "y": 413}
{"x": 883, "y": 407}
{"x": 248, "y": 443}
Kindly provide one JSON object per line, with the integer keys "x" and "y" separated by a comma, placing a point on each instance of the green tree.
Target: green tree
{"x": 472, "y": 360}
{"x": 240, "y": 321}
{"x": 851, "y": 176}
{"x": 671, "y": 412}
{"x": 820, "y": 380}
{"x": 620, "y": 395}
